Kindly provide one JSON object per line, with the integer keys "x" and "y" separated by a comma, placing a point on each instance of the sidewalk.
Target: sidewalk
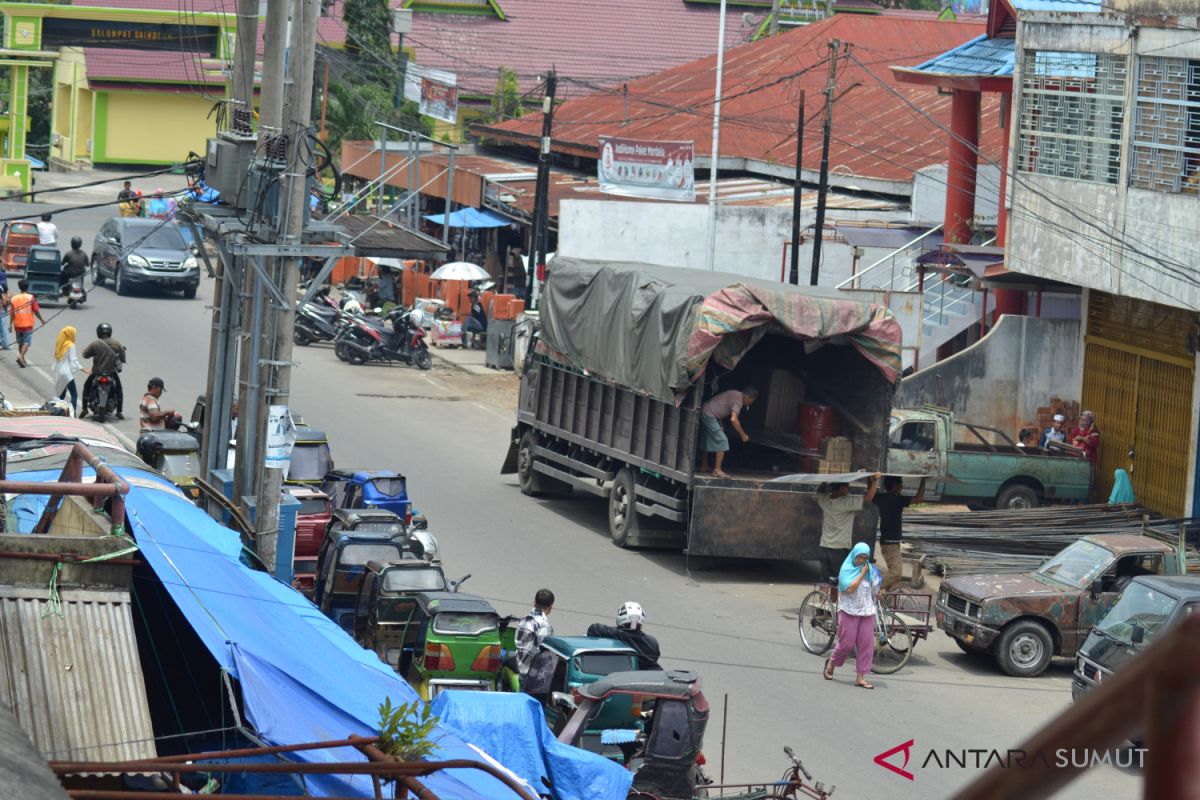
{"x": 22, "y": 387}
{"x": 105, "y": 191}
{"x": 464, "y": 360}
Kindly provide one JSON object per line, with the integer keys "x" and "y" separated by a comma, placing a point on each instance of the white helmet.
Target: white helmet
{"x": 630, "y": 615}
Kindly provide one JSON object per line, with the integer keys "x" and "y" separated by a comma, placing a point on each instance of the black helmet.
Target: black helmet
{"x": 76, "y": 242}
{"x": 104, "y": 330}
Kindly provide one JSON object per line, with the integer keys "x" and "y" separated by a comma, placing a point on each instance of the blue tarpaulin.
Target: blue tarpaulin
{"x": 471, "y": 218}
{"x": 512, "y": 729}
{"x": 302, "y": 678}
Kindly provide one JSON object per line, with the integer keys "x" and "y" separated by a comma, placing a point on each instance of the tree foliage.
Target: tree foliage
{"x": 354, "y": 108}
{"x": 369, "y": 33}
{"x": 506, "y": 100}
{"x": 406, "y": 731}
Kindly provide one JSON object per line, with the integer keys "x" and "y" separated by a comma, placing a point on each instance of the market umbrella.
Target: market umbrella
{"x": 460, "y": 271}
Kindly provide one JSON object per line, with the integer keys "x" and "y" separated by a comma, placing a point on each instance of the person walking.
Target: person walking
{"x": 5, "y": 300}
{"x": 858, "y": 582}
{"x": 891, "y": 506}
{"x": 727, "y": 405}
{"x": 66, "y": 364}
{"x": 535, "y": 670}
{"x": 153, "y": 416}
{"x": 127, "y": 200}
{"x": 24, "y": 309}
{"x": 838, "y": 509}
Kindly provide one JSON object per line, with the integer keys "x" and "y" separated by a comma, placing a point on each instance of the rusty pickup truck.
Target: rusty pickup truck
{"x": 1023, "y": 619}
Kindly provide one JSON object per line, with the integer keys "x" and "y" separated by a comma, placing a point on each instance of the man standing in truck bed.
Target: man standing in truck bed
{"x": 724, "y": 406}
{"x": 837, "y": 525}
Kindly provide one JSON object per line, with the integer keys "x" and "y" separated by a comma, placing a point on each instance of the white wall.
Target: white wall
{"x": 929, "y": 194}
{"x": 750, "y": 239}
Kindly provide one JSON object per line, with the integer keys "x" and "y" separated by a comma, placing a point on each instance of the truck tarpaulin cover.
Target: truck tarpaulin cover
{"x": 654, "y": 329}
{"x": 302, "y": 678}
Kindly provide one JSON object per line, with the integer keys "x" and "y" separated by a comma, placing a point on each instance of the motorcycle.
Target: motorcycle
{"x": 316, "y": 321}
{"x": 74, "y": 292}
{"x": 364, "y": 340}
{"x": 101, "y": 399}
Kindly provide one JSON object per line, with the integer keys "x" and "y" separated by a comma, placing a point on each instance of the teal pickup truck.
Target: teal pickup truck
{"x": 981, "y": 465}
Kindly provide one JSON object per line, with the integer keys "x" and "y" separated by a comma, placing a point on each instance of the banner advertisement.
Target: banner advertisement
{"x": 635, "y": 168}
{"x": 435, "y": 91}
{"x": 281, "y": 436}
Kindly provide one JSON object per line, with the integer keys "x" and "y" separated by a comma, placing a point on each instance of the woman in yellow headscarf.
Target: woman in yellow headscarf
{"x": 66, "y": 364}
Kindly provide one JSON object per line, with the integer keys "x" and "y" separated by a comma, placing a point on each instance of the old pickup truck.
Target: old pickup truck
{"x": 1023, "y": 619}
{"x": 931, "y": 441}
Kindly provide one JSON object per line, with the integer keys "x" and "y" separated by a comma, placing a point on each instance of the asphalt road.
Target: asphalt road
{"x": 734, "y": 624}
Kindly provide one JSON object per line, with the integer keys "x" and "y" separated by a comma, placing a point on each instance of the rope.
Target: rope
{"x": 157, "y": 661}
{"x": 54, "y": 598}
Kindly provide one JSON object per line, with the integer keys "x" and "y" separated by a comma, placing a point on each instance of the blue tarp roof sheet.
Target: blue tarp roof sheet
{"x": 471, "y": 218}
{"x": 302, "y": 678}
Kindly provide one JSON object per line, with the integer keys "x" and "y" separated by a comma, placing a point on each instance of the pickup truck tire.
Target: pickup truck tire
{"x": 530, "y": 480}
{"x": 1024, "y": 649}
{"x": 1016, "y": 496}
{"x": 622, "y": 508}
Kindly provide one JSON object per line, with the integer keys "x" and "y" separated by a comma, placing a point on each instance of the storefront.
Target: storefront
{"x": 1139, "y": 377}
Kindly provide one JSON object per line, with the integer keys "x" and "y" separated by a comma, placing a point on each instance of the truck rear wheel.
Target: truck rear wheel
{"x": 1015, "y": 497}
{"x": 622, "y": 508}
{"x": 530, "y": 480}
{"x": 1024, "y": 649}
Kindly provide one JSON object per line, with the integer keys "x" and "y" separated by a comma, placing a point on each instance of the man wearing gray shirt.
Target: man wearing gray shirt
{"x": 724, "y": 406}
{"x": 839, "y": 508}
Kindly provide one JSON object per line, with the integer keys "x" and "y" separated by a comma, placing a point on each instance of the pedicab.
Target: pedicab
{"x": 176, "y": 455}
{"x": 43, "y": 270}
{"x": 457, "y": 644}
{"x": 387, "y": 606}
{"x": 342, "y": 563}
{"x": 15, "y": 240}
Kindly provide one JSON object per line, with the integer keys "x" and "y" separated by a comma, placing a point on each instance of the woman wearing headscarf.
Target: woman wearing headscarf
{"x": 157, "y": 205}
{"x": 66, "y": 364}
{"x": 858, "y": 583}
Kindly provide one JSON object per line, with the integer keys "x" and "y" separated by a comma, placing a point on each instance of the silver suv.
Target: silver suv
{"x": 131, "y": 251}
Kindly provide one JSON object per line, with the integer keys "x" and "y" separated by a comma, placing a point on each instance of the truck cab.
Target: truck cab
{"x": 1023, "y": 619}
{"x": 978, "y": 464}
{"x": 1149, "y": 606}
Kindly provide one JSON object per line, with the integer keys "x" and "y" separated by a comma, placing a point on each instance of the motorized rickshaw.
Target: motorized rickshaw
{"x": 342, "y": 564}
{"x": 578, "y": 661}
{"x": 378, "y": 519}
{"x": 311, "y": 458}
{"x": 380, "y": 488}
{"x": 15, "y": 240}
{"x": 43, "y": 268}
{"x": 458, "y": 644}
{"x": 387, "y": 607}
{"x": 312, "y": 520}
{"x": 666, "y": 755}
{"x": 176, "y": 455}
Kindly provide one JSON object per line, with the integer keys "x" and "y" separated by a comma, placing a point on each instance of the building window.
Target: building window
{"x": 1072, "y": 108}
{"x": 1166, "y": 126}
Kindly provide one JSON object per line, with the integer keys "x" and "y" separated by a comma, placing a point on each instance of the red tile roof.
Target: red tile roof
{"x": 107, "y": 65}
{"x": 876, "y": 134}
{"x": 585, "y": 39}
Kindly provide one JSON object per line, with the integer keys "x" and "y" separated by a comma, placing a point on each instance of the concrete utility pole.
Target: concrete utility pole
{"x": 711, "y": 249}
{"x": 297, "y": 120}
{"x": 823, "y": 187}
{"x": 241, "y": 74}
{"x": 797, "y": 186}
{"x": 541, "y": 201}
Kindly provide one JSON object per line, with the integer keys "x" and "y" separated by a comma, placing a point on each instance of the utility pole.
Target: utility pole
{"x": 241, "y": 73}
{"x": 774, "y": 27}
{"x": 541, "y": 200}
{"x": 823, "y": 187}
{"x": 794, "y": 275}
{"x": 294, "y": 198}
{"x": 711, "y": 248}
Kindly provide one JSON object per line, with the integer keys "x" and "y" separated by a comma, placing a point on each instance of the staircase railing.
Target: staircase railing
{"x": 855, "y": 280}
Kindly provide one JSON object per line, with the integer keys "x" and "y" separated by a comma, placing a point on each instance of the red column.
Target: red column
{"x": 1001, "y": 211}
{"x": 962, "y": 166}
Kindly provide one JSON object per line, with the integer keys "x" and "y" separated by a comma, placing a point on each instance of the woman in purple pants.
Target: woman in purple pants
{"x": 858, "y": 583}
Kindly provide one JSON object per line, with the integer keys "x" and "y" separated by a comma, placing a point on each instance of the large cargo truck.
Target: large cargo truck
{"x": 612, "y": 388}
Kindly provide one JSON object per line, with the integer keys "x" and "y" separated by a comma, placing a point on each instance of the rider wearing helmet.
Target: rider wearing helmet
{"x": 629, "y": 630}
{"x": 107, "y": 356}
{"x": 74, "y": 263}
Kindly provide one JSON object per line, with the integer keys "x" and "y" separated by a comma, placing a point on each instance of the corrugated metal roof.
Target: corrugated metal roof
{"x": 75, "y": 682}
{"x": 876, "y": 132}
{"x": 980, "y": 57}
{"x": 23, "y": 772}
{"x": 1078, "y": 6}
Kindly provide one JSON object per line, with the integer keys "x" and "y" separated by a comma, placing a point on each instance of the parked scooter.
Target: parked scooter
{"x": 316, "y": 321}
{"x": 101, "y": 399}
{"x": 364, "y": 340}
{"x": 74, "y": 292}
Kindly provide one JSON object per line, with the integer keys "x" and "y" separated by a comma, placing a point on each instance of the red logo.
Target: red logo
{"x": 881, "y": 759}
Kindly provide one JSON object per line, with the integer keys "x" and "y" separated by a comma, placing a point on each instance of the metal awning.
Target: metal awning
{"x": 998, "y": 276}
{"x": 962, "y": 259}
{"x": 371, "y": 237}
{"x": 889, "y": 238}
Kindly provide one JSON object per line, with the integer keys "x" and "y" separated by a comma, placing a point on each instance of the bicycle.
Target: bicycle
{"x": 790, "y": 787}
{"x": 818, "y": 630}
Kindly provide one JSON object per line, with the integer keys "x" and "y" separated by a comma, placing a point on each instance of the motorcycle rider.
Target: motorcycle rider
{"x": 629, "y": 630}
{"x": 74, "y": 264}
{"x": 107, "y": 356}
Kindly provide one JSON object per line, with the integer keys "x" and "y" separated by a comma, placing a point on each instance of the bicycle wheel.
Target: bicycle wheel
{"x": 893, "y": 643}
{"x": 818, "y": 623}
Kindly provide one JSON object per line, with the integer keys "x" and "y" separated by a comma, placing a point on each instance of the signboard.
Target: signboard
{"x": 57, "y": 32}
{"x": 634, "y": 168}
{"x": 435, "y": 91}
{"x": 281, "y": 435}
